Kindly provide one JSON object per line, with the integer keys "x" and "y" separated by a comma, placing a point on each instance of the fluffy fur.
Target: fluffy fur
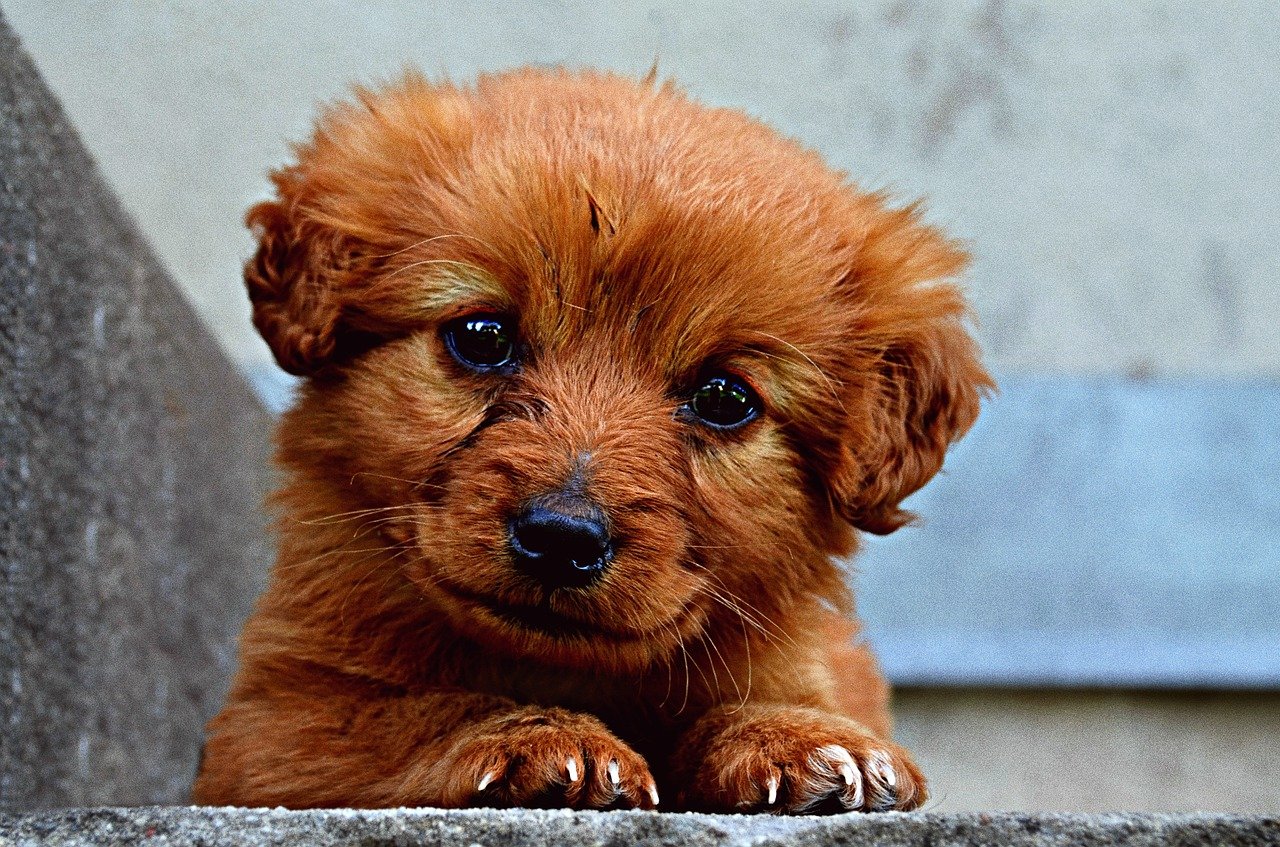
{"x": 638, "y": 238}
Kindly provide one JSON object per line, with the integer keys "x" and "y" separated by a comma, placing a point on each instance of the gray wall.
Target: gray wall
{"x": 1112, "y": 164}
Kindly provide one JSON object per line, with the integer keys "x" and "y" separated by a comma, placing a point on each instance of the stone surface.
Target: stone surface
{"x": 177, "y": 827}
{"x": 132, "y": 466}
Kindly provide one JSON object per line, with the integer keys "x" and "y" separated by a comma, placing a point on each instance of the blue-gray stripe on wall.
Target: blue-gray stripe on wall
{"x": 1093, "y": 532}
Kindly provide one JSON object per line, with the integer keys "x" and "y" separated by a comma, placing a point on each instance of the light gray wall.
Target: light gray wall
{"x": 1092, "y": 532}
{"x": 1112, "y": 164}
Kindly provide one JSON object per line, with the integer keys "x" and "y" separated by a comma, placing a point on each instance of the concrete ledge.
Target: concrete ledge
{"x": 210, "y": 827}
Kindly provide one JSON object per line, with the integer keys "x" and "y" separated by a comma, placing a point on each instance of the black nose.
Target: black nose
{"x": 561, "y": 547}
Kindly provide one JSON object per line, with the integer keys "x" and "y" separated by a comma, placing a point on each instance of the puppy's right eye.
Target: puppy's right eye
{"x": 724, "y": 402}
{"x": 482, "y": 342}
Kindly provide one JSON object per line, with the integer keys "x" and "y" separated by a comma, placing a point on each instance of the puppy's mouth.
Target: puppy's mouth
{"x": 543, "y": 620}
{"x": 540, "y": 618}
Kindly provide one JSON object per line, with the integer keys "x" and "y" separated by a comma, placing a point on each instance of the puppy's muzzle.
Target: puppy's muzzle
{"x": 561, "y": 541}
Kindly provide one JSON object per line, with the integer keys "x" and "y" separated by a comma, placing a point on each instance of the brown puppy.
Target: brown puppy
{"x": 599, "y": 380}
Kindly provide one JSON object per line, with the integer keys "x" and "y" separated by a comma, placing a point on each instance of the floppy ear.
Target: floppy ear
{"x": 292, "y": 286}
{"x": 922, "y": 381}
{"x": 341, "y": 210}
{"x": 298, "y": 280}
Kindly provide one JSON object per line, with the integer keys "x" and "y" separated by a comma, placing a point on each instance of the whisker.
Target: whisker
{"x": 746, "y": 646}
{"x": 421, "y": 243}
{"x": 830, "y": 385}
{"x": 714, "y": 673}
{"x": 398, "y": 571}
{"x": 668, "y": 661}
{"x": 733, "y": 679}
{"x": 368, "y": 527}
{"x": 424, "y": 262}
{"x": 684, "y": 651}
{"x": 757, "y": 615}
{"x": 728, "y": 595}
{"x": 414, "y": 483}
{"x": 734, "y": 607}
{"x": 342, "y": 517}
{"x": 342, "y": 610}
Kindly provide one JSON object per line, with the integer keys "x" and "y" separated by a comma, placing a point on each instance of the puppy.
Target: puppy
{"x": 598, "y": 382}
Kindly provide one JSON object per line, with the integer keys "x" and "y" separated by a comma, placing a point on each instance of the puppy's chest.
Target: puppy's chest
{"x": 534, "y": 684}
{"x": 620, "y": 701}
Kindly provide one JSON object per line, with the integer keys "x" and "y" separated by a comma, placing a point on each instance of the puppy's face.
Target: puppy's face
{"x": 622, "y": 368}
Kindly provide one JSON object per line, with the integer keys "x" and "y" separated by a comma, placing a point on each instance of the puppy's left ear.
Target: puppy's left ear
{"x": 921, "y": 380}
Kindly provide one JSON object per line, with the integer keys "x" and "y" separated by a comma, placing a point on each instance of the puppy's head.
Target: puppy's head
{"x": 623, "y": 368}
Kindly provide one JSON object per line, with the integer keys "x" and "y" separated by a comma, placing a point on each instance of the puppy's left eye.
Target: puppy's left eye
{"x": 724, "y": 402}
{"x": 482, "y": 342}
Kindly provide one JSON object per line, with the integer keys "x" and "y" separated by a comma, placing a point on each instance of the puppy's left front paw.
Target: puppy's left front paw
{"x": 800, "y": 764}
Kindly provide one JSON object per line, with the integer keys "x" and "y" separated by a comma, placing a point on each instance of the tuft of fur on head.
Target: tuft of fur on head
{"x": 639, "y": 240}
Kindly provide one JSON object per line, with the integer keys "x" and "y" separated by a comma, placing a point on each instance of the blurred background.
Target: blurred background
{"x": 1089, "y": 617}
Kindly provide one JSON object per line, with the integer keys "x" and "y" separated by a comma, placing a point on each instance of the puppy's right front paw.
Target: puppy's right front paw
{"x": 796, "y": 761}
{"x": 548, "y": 758}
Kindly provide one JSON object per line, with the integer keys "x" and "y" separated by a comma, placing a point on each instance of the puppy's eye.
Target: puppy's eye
{"x": 724, "y": 402}
{"x": 482, "y": 342}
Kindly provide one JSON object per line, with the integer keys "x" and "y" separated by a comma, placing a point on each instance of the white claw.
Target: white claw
{"x": 773, "y": 791}
{"x": 614, "y": 776}
{"x": 844, "y": 758}
{"x": 653, "y": 794}
{"x": 572, "y": 767}
{"x": 858, "y": 796}
{"x": 485, "y": 781}
{"x": 882, "y": 766}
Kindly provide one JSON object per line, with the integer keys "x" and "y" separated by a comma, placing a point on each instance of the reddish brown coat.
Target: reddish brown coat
{"x": 638, "y": 238}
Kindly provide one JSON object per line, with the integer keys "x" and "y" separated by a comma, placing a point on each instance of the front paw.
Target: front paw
{"x": 546, "y": 758}
{"x": 799, "y": 761}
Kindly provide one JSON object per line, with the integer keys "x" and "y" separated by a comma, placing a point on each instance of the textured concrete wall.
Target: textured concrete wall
{"x": 1112, "y": 164}
{"x": 132, "y": 465}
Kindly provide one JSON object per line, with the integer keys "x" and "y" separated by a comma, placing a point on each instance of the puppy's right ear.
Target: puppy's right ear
{"x": 339, "y": 218}
{"x": 293, "y": 283}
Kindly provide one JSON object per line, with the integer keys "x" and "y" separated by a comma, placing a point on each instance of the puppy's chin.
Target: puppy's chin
{"x": 565, "y": 628}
